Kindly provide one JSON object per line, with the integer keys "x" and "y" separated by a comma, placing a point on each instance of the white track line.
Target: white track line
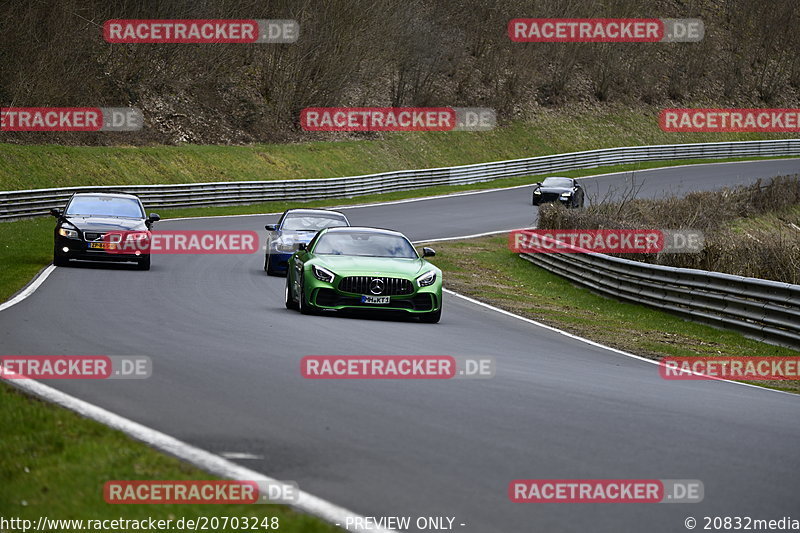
{"x": 29, "y": 289}
{"x": 473, "y": 236}
{"x": 597, "y": 344}
{"x": 202, "y": 459}
{"x": 240, "y": 455}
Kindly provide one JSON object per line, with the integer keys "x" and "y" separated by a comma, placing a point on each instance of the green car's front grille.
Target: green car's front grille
{"x": 387, "y": 286}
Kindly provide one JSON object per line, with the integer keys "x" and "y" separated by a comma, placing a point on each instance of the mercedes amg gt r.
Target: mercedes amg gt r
{"x": 349, "y": 268}
{"x": 567, "y": 191}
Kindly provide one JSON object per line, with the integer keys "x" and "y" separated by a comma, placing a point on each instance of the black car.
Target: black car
{"x": 83, "y": 224}
{"x": 564, "y": 190}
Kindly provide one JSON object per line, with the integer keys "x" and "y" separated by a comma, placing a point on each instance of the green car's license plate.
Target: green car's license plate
{"x": 375, "y": 299}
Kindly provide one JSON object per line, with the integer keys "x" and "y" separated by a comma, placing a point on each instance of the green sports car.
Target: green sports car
{"x": 349, "y": 268}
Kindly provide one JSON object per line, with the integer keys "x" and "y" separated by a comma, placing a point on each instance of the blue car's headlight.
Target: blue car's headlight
{"x": 322, "y": 274}
{"x": 427, "y": 279}
{"x": 284, "y": 246}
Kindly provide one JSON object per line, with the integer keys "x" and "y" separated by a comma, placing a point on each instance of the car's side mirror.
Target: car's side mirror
{"x": 55, "y": 212}
{"x": 271, "y": 227}
{"x": 302, "y": 247}
{"x": 153, "y": 217}
{"x": 428, "y": 252}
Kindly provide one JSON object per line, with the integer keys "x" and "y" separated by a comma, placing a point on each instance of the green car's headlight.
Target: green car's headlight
{"x": 69, "y": 233}
{"x": 429, "y": 278}
{"x": 322, "y": 274}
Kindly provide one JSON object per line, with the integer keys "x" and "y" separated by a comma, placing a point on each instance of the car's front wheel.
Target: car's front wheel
{"x": 432, "y": 317}
{"x": 287, "y": 296}
{"x": 58, "y": 259}
{"x": 302, "y": 304}
{"x": 268, "y": 266}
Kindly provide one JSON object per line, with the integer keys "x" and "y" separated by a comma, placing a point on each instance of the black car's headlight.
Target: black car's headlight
{"x": 429, "y": 278}
{"x": 566, "y": 194}
{"x": 134, "y": 236}
{"x": 537, "y": 191}
{"x": 69, "y": 233}
{"x": 322, "y": 274}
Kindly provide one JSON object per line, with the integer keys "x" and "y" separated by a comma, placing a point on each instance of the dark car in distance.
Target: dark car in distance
{"x": 295, "y": 227}
{"x": 81, "y": 228}
{"x": 567, "y": 191}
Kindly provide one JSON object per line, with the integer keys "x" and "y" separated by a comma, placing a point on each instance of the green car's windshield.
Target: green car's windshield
{"x": 365, "y": 244}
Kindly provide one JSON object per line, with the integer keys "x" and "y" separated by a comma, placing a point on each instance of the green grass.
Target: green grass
{"x": 487, "y": 270}
{"x": 26, "y": 247}
{"x": 549, "y": 132}
{"x": 55, "y": 463}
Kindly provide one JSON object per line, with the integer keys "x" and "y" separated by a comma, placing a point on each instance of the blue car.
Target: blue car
{"x": 294, "y": 227}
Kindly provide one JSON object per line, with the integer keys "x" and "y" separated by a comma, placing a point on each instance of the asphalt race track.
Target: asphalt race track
{"x": 226, "y": 378}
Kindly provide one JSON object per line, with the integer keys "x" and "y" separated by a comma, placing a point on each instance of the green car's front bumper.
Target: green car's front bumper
{"x": 346, "y": 293}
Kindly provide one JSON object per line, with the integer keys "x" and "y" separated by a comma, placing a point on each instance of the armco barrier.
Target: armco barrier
{"x": 761, "y": 309}
{"x": 36, "y": 202}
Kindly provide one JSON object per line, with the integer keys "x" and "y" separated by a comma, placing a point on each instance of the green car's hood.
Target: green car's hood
{"x": 348, "y": 265}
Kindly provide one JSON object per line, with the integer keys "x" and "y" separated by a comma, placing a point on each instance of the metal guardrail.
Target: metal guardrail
{"x": 36, "y": 202}
{"x": 760, "y": 309}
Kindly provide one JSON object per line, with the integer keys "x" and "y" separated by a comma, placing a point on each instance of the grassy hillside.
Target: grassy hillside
{"x": 40, "y": 166}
